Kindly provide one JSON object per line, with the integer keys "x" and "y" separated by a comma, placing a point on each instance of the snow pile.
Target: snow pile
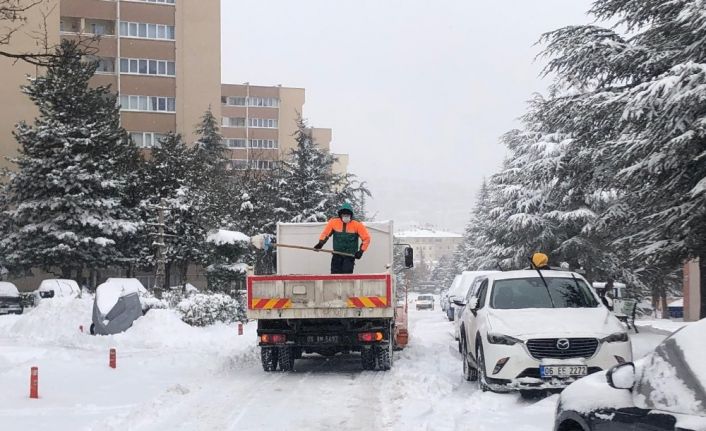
{"x": 222, "y": 236}
{"x": 8, "y": 289}
{"x": 57, "y": 320}
{"x": 206, "y": 309}
{"x": 665, "y": 326}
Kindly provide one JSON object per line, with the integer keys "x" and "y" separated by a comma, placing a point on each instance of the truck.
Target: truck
{"x": 303, "y": 309}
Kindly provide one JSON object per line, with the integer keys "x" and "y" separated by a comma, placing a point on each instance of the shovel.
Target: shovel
{"x": 265, "y": 242}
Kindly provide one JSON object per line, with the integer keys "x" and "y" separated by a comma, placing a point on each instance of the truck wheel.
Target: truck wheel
{"x": 286, "y": 359}
{"x": 383, "y": 358}
{"x": 268, "y": 357}
{"x": 367, "y": 358}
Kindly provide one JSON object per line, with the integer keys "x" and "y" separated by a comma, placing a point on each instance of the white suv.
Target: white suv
{"x": 538, "y": 330}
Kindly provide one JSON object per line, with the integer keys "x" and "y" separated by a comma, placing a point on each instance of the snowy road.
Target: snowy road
{"x": 210, "y": 379}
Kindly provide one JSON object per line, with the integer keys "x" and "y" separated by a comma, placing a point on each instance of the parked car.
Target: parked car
{"x": 665, "y": 390}
{"x": 117, "y": 305}
{"x": 538, "y": 330}
{"x": 449, "y": 309}
{"x": 57, "y": 288}
{"x": 10, "y": 299}
{"x": 425, "y": 302}
{"x": 470, "y": 281}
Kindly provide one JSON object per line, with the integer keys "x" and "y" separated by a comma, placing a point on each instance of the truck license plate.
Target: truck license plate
{"x": 322, "y": 339}
{"x": 547, "y": 371}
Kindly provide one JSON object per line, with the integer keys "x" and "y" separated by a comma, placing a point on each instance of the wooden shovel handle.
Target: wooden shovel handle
{"x": 301, "y": 247}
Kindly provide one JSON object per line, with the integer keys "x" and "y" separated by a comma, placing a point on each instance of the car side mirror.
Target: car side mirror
{"x": 409, "y": 257}
{"x": 621, "y": 376}
{"x": 459, "y": 302}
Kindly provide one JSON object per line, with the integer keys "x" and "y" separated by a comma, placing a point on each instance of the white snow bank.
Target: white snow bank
{"x": 677, "y": 303}
{"x": 55, "y": 320}
{"x": 108, "y": 293}
{"x": 665, "y": 326}
{"x": 601, "y": 394}
{"x": 8, "y": 289}
{"x": 222, "y": 236}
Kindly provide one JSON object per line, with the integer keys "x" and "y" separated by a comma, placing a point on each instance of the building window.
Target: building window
{"x": 70, "y": 24}
{"x": 147, "y": 139}
{"x": 235, "y": 143}
{"x": 233, "y": 122}
{"x": 265, "y": 123}
{"x": 267, "y": 102}
{"x": 264, "y": 143}
{"x": 259, "y": 165}
{"x": 157, "y": 1}
{"x": 146, "y": 31}
{"x": 233, "y": 101}
{"x": 141, "y": 66}
{"x": 148, "y": 103}
{"x": 105, "y": 64}
{"x": 100, "y": 27}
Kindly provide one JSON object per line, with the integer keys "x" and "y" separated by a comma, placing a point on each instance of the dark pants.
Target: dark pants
{"x": 342, "y": 264}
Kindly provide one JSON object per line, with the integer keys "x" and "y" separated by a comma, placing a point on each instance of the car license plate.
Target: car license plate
{"x": 547, "y": 371}
{"x": 322, "y": 339}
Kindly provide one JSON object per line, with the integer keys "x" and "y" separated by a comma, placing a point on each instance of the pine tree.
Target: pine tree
{"x": 65, "y": 202}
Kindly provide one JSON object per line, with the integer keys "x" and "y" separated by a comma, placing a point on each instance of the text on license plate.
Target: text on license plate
{"x": 322, "y": 339}
{"x": 563, "y": 370}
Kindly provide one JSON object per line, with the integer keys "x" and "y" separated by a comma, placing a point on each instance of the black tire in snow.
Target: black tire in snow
{"x": 268, "y": 357}
{"x": 367, "y": 358}
{"x": 286, "y": 359}
{"x": 469, "y": 372}
{"x": 482, "y": 382}
{"x": 383, "y": 357}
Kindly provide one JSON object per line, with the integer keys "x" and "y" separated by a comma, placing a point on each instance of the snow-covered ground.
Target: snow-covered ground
{"x": 173, "y": 376}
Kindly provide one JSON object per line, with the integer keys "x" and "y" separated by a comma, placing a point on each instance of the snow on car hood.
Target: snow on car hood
{"x": 553, "y": 322}
{"x": 592, "y": 393}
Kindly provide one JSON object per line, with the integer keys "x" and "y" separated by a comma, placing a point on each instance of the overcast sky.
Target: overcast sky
{"x": 416, "y": 91}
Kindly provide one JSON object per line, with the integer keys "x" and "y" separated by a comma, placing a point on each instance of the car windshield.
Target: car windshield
{"x": 532, "y": 293}
{"x": 425, "y": 298}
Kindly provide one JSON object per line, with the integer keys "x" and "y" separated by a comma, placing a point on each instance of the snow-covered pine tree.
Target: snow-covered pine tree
{"x": 172, "y": 174}
{"x": 655, "y": 153}
{"x": 307, "y": 183}
{"x": 66, "y": 199}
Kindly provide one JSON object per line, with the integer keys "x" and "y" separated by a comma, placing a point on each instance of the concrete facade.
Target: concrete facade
{"x": 692, "y": 291}
{"x": 162, "y": 57}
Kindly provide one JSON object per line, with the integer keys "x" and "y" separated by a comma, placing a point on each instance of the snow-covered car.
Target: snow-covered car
{"x": 425, "y": 302}
{"x": 538, "y": 330}
{"x": 449, "y": 309}
{"x": 10, "y": 302}
{"x": 57, "y": 288}
{"x": 444, "y": 300}
{"x": 117, "y": 305}
{"x": 665, "y": 390}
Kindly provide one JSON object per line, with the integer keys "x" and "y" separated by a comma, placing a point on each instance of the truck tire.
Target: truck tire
{"x": 383, "y": 357}
{"x": 268, "y": 357}
{"x": 286, "y": 359}
{"x": 367, "y": 358}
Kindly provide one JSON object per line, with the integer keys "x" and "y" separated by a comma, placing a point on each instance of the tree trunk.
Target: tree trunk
{"x": 663, "y": 300}
{"x": 702, "y": 290}
{"x": 167, "y": 275}
{"x": 184, "y": 270}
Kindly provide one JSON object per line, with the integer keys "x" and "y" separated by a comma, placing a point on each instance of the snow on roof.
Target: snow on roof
{"x": 108, "y": 293}
{"x": 222, "y": 236}
{"x": 8, "y": 289}
{"x": 427, "y": 233}
{"x": 677, "y": 303}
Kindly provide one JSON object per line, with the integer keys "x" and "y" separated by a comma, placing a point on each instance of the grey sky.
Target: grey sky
{"x": 416, "y": 91}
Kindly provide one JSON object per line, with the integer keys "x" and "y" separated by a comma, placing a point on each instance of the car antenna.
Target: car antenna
{"x": 499, "y": 267}
{"x": 546, "y": 286}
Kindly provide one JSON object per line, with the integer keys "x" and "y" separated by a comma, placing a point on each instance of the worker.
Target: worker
{"x": 346, "y": 232}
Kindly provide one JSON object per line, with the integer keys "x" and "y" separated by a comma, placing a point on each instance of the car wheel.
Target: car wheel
{"x": 469, "y": 373}
{"x": 482, "y": 378}
{"x": 383, "y": 358}
{"x": 268, "y": 357}
{"x": 570, "y": 426}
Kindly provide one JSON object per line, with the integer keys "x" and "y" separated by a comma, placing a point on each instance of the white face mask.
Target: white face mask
{"x": 346, "y": 218}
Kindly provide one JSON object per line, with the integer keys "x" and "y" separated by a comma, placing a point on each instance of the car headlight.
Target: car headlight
{"x": 502, "y": 339}
{"x": 618, "y": 337}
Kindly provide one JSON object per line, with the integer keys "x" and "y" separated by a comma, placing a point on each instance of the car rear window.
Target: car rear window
{"x": 531, "y": 292}
{"x": 425, "y": 298}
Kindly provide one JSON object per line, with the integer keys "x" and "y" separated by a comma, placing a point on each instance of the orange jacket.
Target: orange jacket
{"x": 356, "y": 229}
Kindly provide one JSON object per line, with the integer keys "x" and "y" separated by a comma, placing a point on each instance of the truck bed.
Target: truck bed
{"x": 320, "y": 296}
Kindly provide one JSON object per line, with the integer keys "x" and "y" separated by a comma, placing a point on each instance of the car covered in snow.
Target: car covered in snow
{"x": 538, "y": 330}
{"x": 425, "y": 302}
{"x": 57, "y": 288}
{"x": 447, "y": 298}
{"x": 117, "y": 305}
{"x": 665, "y": 390}
{"x": 472, "y": 279}
{"x": 459, "y": 292}
{"x": 10, "y": 302}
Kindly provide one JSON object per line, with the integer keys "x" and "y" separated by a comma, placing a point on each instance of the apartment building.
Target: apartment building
{"x": 163, "y": 58}
{"x": 430, "y": 244}
{"x": 259, "y": 124}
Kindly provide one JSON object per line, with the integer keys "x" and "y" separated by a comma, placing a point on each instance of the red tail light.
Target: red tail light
{"x": 369, "y": 337}
{"x": 273, "y": 338}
